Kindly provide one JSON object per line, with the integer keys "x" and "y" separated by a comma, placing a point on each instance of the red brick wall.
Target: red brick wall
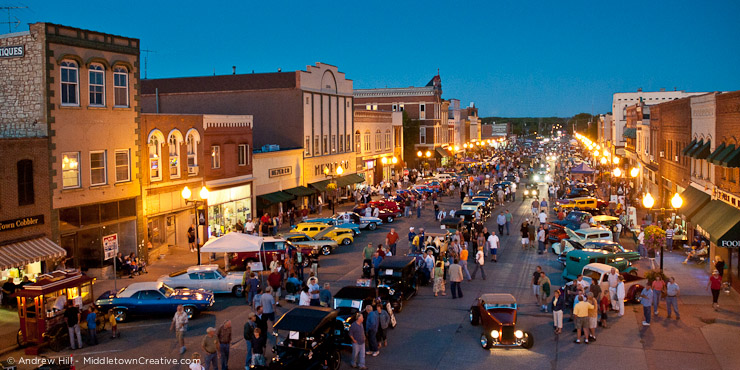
{"x": 728, "y": 131}
{"x": 675, "y": 135}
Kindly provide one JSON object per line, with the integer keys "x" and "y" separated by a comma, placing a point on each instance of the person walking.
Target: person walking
{"x": 191, "y": 238}
{"x": 580, "y": 317}
{"x": 371, "y": 331}
{"x": 646, "y": 299}
{"x": 357, "y": 335}
{"x": 658, "y": 290}
{"x": 541, "y": 239}
{"x": 535, "y": 208}
{"x": 385, "y": 322}
{"x": 620, "y": 296}
{"x": 72, "y": 318}
{"x": 249, "y": 327}
{"x": 671, "y": 299}
{"x": 439, "y": 279}
{"x": 180, "y": 326}
{"x": 545, "y": 286}
{"x": 669, "y": 232}
{"x": 508, "y": 220}
{"x": 501, "y": 222}
{"x": 557, "y": 305}
{"x": 493, "y": 244}
{"x": 715, "y": 284}
{"x": 524, "y": 230}
{"x": 456, "y": 277}
{"x": 481, "y": 242}
{"x": 209, "y": 344}
{"x": 464, "y": 261}
{"x": 535, "y": 282}
{"x": 542, "y": 217}
{"x": 532, "y": 232}
{"x": 224, "y": 343}
{"x": 391, "y": 239}
{"x": 259, "y": 342}
{"x": 267, "y": 302}
{"x": 593, "y": 315}
{"x": 480, "y": 260}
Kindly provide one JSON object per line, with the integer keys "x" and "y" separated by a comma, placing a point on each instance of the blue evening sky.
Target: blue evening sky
{"x": 512, "y": 58}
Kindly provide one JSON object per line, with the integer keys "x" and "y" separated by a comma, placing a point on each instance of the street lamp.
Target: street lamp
{"x": 634, "y": 172}
{"x": 617, "y": 172}
{"x": 603, "y": 161}
{"x": 186, "y": 193}
{"x": 616, "y": 160}
{"x": 338, "y": 172}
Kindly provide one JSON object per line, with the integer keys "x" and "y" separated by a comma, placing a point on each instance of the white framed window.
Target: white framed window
{"x": 173, "y": 143}
{"x": 358, "y": 146}
{"x": 308, "y": 145}
{"x": 368, "y": 106}
{"x": 400, "y": 107}
{"x": 215, "y": 156}
{"x": 69, "y": 82}
{"x": 120, "y": 87}
{"x": 98, "y": 168}
{"x": 387, "y": 139}
{"x": 394, "y": 107}
{"x": 422, "y": 111}
{"x": 123, "y": 167}
{"x": 71, "y": 170}
{"x": 366, "y": 141}
{"x": 96, "y": 83}
{"x": 378, "y": 141}
{"x": 155, "y": 155}
{"x": 242, "y": 154}
{"x": 333, "y": 143}
{"x": 422, "y": 135}
{"x": 192, "y": 140}
{"x": 375, "y": 107}
{"x": 316, "y": 148}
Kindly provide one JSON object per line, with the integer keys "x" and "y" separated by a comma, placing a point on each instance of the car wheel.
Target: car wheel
{"x": 389, "y": 220}
{"x": 372, "y": 226}
{"x": 326, "y": 250}
{"x": 59, "y": 340}
{"x": 334, "y": 361}
{"x": 191, "y": 311}
{"x": 633, "y": 272}
{"x": 474, "y": 317}
{"x": 120, "y": 314}
{"x": 238, "y": 291}
{"x": 346, "y": 241}
{"x": 485, "y": 342}
{"x": 528, "y": 340}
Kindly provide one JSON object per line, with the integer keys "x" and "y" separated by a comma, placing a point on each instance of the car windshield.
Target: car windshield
{"x": 220, "y": 272}
{"x": 166, "y": 291}
{"x": 495, "y": 306}
{"x": 351, "y": 303}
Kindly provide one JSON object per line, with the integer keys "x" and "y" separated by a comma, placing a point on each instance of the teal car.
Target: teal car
{"x": 350, "y": 220}
{"x": 577, "y": 259}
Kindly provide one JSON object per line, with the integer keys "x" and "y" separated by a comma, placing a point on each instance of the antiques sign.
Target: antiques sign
{"x": 12, "y": 51}
{"x": 282, "y": 171}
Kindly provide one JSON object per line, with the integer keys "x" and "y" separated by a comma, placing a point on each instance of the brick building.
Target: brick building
{"x": 672, "y": 121}
{"x": 374, "y": 138}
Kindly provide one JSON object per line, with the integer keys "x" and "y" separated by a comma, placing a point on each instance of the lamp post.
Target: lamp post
{"x": 648, "y": 201}
{"x": 186, "y": 193}
{"x": 338, "y": 172}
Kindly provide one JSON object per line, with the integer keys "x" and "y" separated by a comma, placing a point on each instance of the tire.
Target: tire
{"x": 389, "y": 220}
{"x": 485, "y": 341}
{"x": 633, "y": 272}
{"x": 474, "y": 316}
{"x": 529, "y": 342}
{"x": 334, "y": 361}
{"x": 19, "y": 338}
{"x": 191, "y": 311}
{"x": 120, "y": 314}
{"x": 59, "y": 340}
{"x": 238, "y": 291}
{"x": 372, "y": 226}
{"x": 326, "y": 250}
{"x": 346, "y": 241}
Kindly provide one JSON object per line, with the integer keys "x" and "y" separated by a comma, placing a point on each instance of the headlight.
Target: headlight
{"x": 534, "y": 192}
{"x": 519, "y": 334}
{"x": 548, "y": 178}
{"x": 526, "y": 192}
{"x": 536, "y": 177}
{"x": 494, "y": 334}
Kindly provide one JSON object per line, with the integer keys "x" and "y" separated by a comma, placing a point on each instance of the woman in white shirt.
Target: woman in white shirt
{"x": 305, "y": 298}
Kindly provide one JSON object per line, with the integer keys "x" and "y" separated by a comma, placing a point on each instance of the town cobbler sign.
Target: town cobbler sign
{"x": 20, "y": 223}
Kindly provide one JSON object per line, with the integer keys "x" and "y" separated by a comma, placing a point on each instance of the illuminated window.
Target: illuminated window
{"x": 71, "y": 170}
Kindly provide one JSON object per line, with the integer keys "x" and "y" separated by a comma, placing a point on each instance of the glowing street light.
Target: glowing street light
{"x": 676, "y": 201}
{"x": 648, "y": 201}
{"x": 634, "y": 172}
{"x": 617, "y": 172}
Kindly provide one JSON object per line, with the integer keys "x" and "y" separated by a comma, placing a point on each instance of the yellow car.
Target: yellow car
{"x": 582, "y": 204}
{"x": 309, "y": 228}
{"x": 338, "y": 234}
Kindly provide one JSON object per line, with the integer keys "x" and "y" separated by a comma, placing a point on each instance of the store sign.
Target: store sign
{"x": 110, "y": 246}
{"x": 730, "y": 243}
{"x": 282, "y": 171}
{"x": 20, "y": 223}
{"x": 12, "y": 51}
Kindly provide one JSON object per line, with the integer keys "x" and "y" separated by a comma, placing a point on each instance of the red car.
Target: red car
{"x": 392, "y": 207}
{"x": 271, "y": 247}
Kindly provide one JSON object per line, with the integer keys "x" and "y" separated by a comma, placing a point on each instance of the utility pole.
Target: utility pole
{"x": 10, "y": 21}
{"x": 146, "y": 60}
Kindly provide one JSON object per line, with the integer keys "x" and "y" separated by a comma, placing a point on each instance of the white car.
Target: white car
{"x": 208, "y": 277}
{"x": 581, "y": 236}
{"x": 443, "y": 176}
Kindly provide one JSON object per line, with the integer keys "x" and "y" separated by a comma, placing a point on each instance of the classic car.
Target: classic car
{"x": 350, "y": 220}
{"x": 208, "y": 277}
{"x": 399, "y": 274}
{"x": 324, "y": 245}
{"x": 574, "y": 219}
{"x": 466, "y": 216}
{"x": 408, "y": 192}
{"x": 350, "y": 300}
{"x": 488, "y": 201}
{"x": 306, "y": 339}
{"x": 423, "y": 189}
{"x": 599, "y": 272}
{"x": 444, "y": 176}
{"x": 473, "y": 206}
{"x": 392, "y": 206}
{"x": 341, "y": 235}
{"x": 309, "y": 228}
{"x": 530, "y": 190}
{"x": 609, "y": 247}
{"x": 153, "y": 298}
{"x": 578, "y": 193}
{"x": 579, "y": 236}
{"x": 606, "y": 221}
{"x": 272, "y": 247}
{"x": 483, "y": 207}
{"x": 436, "y": 242}
{"x": 542, "y": 176}
{"x": 435, "y": 185}
{"x": 589, "y": 204}
{"x": 496, "y": 314}
{"x": 485, "y": 193}
{"x": 385, "y": 215}
{"x": 575, "y": 260}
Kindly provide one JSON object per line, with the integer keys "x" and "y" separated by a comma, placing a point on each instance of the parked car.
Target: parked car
{"x": 497, "y": 316}
{"x": 578, "y": 193}
{"x": 307, "y": 339}
{"x": 443, "y": 176}
{"x": 488, "y": 201}
{"x": 351, "y": 220}
{"x": 574, "y": 219}
{"x": 399, "y": 275}
{"x": 309, "y": 228}
{"x": 473, "y": 206}
{"x": 272, "y": 247}
{"x": 599, "y": 272}
{"x": 325, "y": 246}
{"x": 589, "y": 204}
{"x": 579, "y": 236}
{"x": 575, "y": 260}
{"x": 390, "y": 205}
{"x": 605, "y": 246}
{"x": 435, "y": 185}
{"x": 436, "y": 242}
{"x": 153, "y": 298}
{"x": 341, "y": 235}
{"x": 208, "y": 277}
{"x": 350, "y": 300}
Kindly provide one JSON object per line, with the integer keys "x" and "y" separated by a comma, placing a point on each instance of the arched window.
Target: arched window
{"x": 25, "y": 182}
{"x": 173, "y": 143}
{"x": 378, "y": 141}
{"x": 69, "y": 82}
{"x": 366, "y": 140}
{"x": 120, "y": 87}
{"x": 388, "y": 139}
{"x": 358, "y": 146}
{"x": 97, "y": 85}
{"x": 155, "y": 155}
{"x": 192, "y": 140}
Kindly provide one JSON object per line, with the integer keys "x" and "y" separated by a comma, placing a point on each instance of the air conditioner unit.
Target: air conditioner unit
{"x": 662, "y": 154}
{"x": 192, "y": 170}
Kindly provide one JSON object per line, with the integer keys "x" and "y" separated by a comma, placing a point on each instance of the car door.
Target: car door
{"x": 210, "y": 280}
{"x": 151, "y": 301}
{"x": 194, "y": 281}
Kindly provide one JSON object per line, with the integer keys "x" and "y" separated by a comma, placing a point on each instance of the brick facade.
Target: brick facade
{"x": 672, "y": 120}
{"x": 728, "y": 127}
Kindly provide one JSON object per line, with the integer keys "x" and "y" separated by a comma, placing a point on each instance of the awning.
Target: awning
{"x": 300, "y": 191}
{"x": 276, "y": 197}
{"x": 350, "y": 179}
{"x": 732, "y": 159}
{"x": 688, "y": 147}
{"x": 722, "y": 222}
{"x": 694, "y": 148}
{"x": 320, "y": 185}
{"x": 441, "y": 152}
{"x": 723, "y": 154}
{"x": 22, "y": 253}
{"x": 716, "y": 152}
{"x": 693, "y": 200}
{"x": 630, "y": 133}
{"x": 703, "y": 151}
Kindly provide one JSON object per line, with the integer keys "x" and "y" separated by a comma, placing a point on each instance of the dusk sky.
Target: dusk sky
{"x": 513, "y": 58}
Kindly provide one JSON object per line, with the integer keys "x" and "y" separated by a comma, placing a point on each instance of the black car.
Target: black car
{"x": 350, "y": 300}
{"x": 466, "y": 216}
{"x": 400, "y": 275}
{"x": 306, "y": 339}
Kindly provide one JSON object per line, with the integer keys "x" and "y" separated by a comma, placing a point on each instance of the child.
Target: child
{"x": 113, "y": 324}
{"x": 604, "y": 306}
{"x": 195, "y": 363}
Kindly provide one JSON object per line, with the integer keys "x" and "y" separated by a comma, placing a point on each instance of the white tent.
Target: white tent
{"x": 233, "y": 243}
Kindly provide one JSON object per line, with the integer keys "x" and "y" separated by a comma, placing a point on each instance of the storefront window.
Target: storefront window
{"x": 232, "y": 205}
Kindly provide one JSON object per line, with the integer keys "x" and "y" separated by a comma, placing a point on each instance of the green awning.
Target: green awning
{"x": 694, "y": 148}
{"x": 722, "y": 222}
{"x": 722, "y": 155}
{"x": 716, "y": 152}
{"x": 350, "y": 179}
{"x": 688, "y": 147}
{"x": 732, "y": 159}
{"x": 703, "y": 151}
{"x": 276, "y": 197}
{"x": 630, "y": 133}
{"x": 301, "y": 191}
{"x": 320, "y": 185}
{"x": 693, "y": 200}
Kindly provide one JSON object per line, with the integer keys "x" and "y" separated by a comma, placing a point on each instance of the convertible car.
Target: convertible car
{"x": 496, "y": 314}
{"x": 153, "y": 298}
{"x": 208, "y": 277}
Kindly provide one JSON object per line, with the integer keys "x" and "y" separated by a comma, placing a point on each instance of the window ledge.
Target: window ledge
{"x": 121, "y": 107}
{"x": 97, "y": 107}
{"x": 71, "y": 190}
{"x": 101, "y": 186}
{"x": 121, "y": 183}
{"x": 62, "y": 106}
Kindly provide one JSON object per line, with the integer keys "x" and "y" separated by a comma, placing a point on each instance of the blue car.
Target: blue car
{"x": 350, "y": 220}
{"x": 153, "y": 298}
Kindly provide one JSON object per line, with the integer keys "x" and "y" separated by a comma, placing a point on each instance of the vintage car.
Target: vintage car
{"x": 435, "y": 185}
{"x": 341, "y": 235}
{"x": 309, "y": 228}
{"x": 391, "y": 206}
{"x": 350, "y": 300}
{"x": 324, "y": 245}
{"x": 575, "y": 260}
{"x": 350, "y": 220}
{"x": 208, "y": 277}
{"x": 573, "y": 220}
{"x": 306, "y": 339}
{"x": 153, "y": 298}
{"x": 384, "y": 215}
{"x": 578, "y": 193}
{"x": 488, "y": 201}
{"x": 436, "y": 242}
{"x": 484, "y": 207}
{"x": 485, "y": 193}
{"x": 579, "y": 236}
{"x": 496, "y": 314}
{"x": 271, "y": 247}
{"x": 474, "y": 206}
{"x": 589, "y": 204}
{"x": 444, "y": 176}
{"x": 606, "y": 221}
{"x": 398, "y": 274}
{"x": 462, "y": 218}
{"x": 599, "y": 272}
{"x": 530, "y": 190}
{"x": 424, "y": 189}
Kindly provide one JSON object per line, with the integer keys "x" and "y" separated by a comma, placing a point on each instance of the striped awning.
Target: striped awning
{"x": 24, "y": 252}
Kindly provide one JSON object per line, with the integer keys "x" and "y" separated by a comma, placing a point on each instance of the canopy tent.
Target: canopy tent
{"x": 582, "y": 168}
{"x": 233, "y": 243}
